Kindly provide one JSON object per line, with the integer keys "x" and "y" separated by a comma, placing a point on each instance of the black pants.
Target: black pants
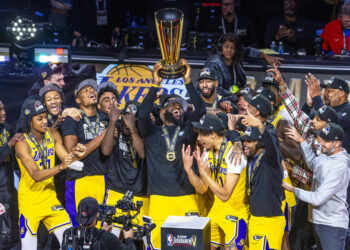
{"x": 9, "y": 230}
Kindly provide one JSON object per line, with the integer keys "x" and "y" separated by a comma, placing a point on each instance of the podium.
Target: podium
{"x": 185, "y": 232}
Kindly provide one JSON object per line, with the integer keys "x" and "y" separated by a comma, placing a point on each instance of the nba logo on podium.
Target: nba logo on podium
{"x": 170, "y": 240}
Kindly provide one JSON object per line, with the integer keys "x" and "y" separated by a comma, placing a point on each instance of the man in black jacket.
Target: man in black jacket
{"x": 8, "y": 194}
{"x": 170, "y": 190}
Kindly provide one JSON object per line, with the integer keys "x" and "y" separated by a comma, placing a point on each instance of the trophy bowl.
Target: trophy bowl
{"x": 169, "y": 24}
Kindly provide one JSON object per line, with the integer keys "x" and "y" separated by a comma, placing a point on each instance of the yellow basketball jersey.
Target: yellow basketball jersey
{"x": 37, "y": 196}
{"x": 238, "y": 202}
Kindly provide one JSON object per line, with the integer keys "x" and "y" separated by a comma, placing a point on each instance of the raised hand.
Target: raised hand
{"x": 250, "y": 121}
{"x": 187, "y": 157}
{"x": 187, "y": 76}
{"x": 203, "y": 164}
{"x": 277, "y": 76}
{"x": 226, "y": 106}
{"x": 156, "y": 78}
{"x": 129, "y": 120}
{"x": 232, "y": 121}
{"x": 313, "y": 85}
{"x": 293, "y": 134}
{"x": 114, "y": 113}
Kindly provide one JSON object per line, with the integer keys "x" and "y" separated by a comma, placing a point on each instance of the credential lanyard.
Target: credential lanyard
{"x": 220, "y": 156}
{"x": 132, "y": 151}
{"x": 94, "y": 131}
{"x": 98, "y": 5}
{"x": 4, "y": 136}
{"x": 224, "y": 26}
{"x": 252, "y": 169}
{"x": 42, "y": 150}
{"x": 170, "y": 145}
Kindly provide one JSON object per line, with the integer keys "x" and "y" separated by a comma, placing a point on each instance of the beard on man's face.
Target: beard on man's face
{"x": 170, "y": 118}
{"x": 209, "y": 93}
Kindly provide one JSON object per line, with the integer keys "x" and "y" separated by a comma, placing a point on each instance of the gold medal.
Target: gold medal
{"x": 134, "y": 164}
{"x": 249, "y": 191}
{"x": 170, "y": 156}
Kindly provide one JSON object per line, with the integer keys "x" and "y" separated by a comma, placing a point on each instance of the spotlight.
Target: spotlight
{"x": 23, "y": 29}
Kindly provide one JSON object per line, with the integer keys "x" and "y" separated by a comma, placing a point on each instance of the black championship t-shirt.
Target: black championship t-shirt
{"x": 165, "y": 177}
{"x": 122, "y": 174}
{"x": 95, "y": 163}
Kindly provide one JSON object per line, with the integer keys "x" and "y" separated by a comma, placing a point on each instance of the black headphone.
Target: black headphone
{"x": 220, "y": 41}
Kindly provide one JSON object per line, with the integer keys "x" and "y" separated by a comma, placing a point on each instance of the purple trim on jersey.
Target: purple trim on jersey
{"x": 70, "y": 202}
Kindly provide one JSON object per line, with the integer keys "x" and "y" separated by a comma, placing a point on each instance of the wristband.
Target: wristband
{"x": 134, "y": 131}
{"x": 154, "y": 85}
{"x": 187, "y": 82}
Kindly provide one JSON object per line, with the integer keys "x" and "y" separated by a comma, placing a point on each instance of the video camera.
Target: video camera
{"x": 108, "y": 214}
{"x": 83, "y": 238}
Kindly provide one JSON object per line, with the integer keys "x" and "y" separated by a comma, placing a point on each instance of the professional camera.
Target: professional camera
{"x": 83, "y": 238}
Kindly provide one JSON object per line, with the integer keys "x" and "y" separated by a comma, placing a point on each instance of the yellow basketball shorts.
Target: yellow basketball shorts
{"x": 287, "y": 205}
{"x": 265, "y": 232}
{"x": 112, "y": 198}
{"x": 160, "y": 207}
{"x": 29, "y": 222}
{"x": 87, "y": 186}
{"x": 227, "y": 228}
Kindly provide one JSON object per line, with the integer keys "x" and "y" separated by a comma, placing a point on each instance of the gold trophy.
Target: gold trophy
{"x": 169, "y": 24}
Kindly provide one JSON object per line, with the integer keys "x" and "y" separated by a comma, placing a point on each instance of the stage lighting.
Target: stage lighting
{"x": 23, "y": 29}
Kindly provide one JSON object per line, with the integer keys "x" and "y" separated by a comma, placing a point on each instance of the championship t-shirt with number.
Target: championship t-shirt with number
{"x": 95, "y": 163}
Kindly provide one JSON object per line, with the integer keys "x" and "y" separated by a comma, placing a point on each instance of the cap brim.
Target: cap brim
{"x": 320, "y": 134}
{"x": 179, "y": 100}
{"x": 199, "y": 126}
{"x": 207, "y": 77}
{"x": 324, "y": 85}
{"x": 247, "y": 138}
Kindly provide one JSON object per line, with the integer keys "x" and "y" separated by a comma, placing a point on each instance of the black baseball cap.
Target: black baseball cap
{"x": 262, "y": 104}
{"x": 48, "y": 69}
{"x": 179, "y": 100}
{"x": 87, "y": 82}
{"x": 48, "y": 88}
{"x": 207, "y": 73}
{"x": 337, "y": 83}
{"x": 267, "y": 93}
{"x": 33, "y": 108}
{"x": 134, "y": 105}
{"x": 209, "y": 123}
{"x": 87, "y": 211}
{"x": 331, "y": 132}
{"x": 247, "y": 93}
{"x": 327, "y": 113}
{"x": 251, "y": 134}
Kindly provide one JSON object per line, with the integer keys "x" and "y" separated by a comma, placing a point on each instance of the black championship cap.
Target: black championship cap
{"x": 262, "y": 104}
{"x": 48, "y": 88}
{"x": 87, "y": 82}
{"x": 267, "y": 93}
{"x": 87, "y": 211}
{"x": 327, "y": 113}
{"x": 331, "y": 132}
{"x": 251, "y": 134}
{"x": 207, "y": 73}
{"x": 48, "y": 69}
{"x": 34, "y": 108}
{"x": 103, "y": 85}
{"x": 209, "y": 123}
{"x": 337, "y": 83}
{"x": 179, "y": 100}
{"x": 134, "y": 105}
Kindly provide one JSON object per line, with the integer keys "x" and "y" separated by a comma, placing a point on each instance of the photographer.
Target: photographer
{"x": 87, "y": 236}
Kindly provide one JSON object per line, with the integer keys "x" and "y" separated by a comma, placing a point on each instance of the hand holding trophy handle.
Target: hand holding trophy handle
{"x": 156, "y": 78}
{"x": 187, "y": 75}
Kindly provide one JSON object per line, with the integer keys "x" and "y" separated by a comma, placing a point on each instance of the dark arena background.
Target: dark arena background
{"x": 120, "y": 42}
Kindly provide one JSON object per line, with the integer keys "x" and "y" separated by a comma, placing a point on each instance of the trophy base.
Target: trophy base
{"x": 172, "y": 71}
